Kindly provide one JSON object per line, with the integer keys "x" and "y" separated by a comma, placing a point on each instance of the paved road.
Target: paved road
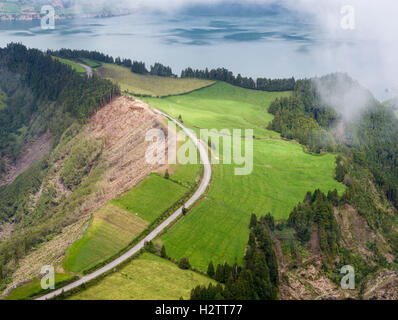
{"x": 88, "y": 69}
{"x": 203, "y": 185}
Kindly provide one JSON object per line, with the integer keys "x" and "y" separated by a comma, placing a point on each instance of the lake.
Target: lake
{"x": 273, "y": 44}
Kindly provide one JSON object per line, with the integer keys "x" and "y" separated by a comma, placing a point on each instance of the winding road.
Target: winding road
{"x": 89, "y": 70}
{"x": 199, "y": 192}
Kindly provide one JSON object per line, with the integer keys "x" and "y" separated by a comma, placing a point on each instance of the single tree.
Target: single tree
{"x": 210, "y": 270}
{"x": 184, "y": 263}
{"x": 163, "y": 253}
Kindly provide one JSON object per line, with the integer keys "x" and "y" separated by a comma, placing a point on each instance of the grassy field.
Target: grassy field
{"x": 147, "y": 84}
{"x": 111, "y": 230}
{"x": 33, "y": 288}
{"x": 217, "y": 229}
{"x": 222, "y": 106}
{"x": 151, "y": 198}
{"x": 91, "y": 63}
{"x": 148, "y": 277}
{"x": 119, "y": 222}
{"x": 75, "y": 66}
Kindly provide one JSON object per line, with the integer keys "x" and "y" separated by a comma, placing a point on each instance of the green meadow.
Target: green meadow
{"x": 139, "y": 84}
{"x": 217, "y": 229}
{"x": 34, "y": 288}
{"x": 148, "y": 277}
{"x": 110, "y": 231}
{"x": 91, "y": 63}
{"x": 75, "y": 66}
{"x": 151, "y": 198}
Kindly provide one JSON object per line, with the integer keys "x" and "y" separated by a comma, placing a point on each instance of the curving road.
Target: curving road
{"x": 89, "y": 70}
{"x": 203, "y": 185}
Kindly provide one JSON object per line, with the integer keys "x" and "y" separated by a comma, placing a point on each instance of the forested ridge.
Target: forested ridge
{"x": 43, "y": 94}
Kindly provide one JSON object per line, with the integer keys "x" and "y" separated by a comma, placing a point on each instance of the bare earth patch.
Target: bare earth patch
{"x": 33, "y": 152}
{"x": 50, "y": 253}
{"x": 123, "y": 125}
{"x": 6, "y": 230}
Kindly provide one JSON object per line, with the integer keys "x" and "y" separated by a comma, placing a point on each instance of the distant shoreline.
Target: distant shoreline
{"x": 38, "y": 16}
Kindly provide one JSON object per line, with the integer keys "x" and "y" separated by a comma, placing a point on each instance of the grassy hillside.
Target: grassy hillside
{"x": 34, "y": 288}
{"x": 91, "y": 63}
{"x": 151, "y": 198}
{"x": 147, "y": 84}
{"x": 148, "y": 277}
{"x": 282, "y": 174}
{"x": 119, "y": 222}
{"x": 223, "y": 106}
{"x": 111, "y": 229}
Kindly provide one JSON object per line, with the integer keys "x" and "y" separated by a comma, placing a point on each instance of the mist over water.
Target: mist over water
{"x": 274, "y": 43}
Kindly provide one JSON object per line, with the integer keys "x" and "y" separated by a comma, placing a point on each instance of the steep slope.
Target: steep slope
{"x": 91, "y": 165}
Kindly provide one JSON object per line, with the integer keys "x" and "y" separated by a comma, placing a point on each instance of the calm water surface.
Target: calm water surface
{"x": 274, "y": 44}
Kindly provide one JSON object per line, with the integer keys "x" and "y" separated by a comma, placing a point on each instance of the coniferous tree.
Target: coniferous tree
{"x": 210, "y": 270}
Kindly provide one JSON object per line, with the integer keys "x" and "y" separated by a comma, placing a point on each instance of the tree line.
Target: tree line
{"x": 223, "y": 74}
{"x": 139, "y": 67}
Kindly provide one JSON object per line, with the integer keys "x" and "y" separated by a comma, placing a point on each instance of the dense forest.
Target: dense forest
{"x": 258, "y": 278}
{"x": 39, "y": 90}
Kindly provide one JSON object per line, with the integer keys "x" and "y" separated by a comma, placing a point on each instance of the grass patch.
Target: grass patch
{"x": 147, "y": 84}
{"x": 75, "y": 66}
{"x": 91, "y": 63}
{"x": 151, "y": 198}
{"x": 217, "y": 229}
{"x": 148, "y": 277}
{"x": 110, "y": 231}
{"x": 33, "y": 288}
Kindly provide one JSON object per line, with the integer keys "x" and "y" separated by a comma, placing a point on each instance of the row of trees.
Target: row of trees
{"x": 257, "y": 279}
{"x": 157, "y": 69}
{"x": 223, "y": 74}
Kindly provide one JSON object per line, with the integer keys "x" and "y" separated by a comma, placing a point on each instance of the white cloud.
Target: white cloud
{"x": 374, "y": 60}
